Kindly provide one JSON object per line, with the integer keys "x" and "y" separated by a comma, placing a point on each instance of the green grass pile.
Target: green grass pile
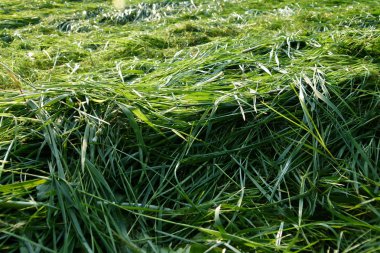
{"x": 190, "y": 126}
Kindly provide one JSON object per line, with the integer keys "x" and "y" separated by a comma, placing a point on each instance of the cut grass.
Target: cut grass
{"x": 193, "y": 126}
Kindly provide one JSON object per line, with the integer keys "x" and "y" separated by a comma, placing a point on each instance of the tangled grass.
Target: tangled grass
{"x": 207, "y": 127}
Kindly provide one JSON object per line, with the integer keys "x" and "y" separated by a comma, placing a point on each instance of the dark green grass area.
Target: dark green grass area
{"x": 189, "y": 126}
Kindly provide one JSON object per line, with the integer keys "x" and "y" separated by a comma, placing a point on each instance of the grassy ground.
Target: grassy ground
{"x": 189, "y": 126}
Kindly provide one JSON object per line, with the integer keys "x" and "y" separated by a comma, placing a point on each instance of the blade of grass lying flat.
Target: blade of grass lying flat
{"x": 214, "y": 233}
{"x": 21, "y": 186}
{"x": 19, "y": 204}
{"x": 139, "y": 114}
{"x": 22, "y": 238}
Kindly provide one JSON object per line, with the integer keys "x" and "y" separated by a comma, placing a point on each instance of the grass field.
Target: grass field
{"x": 190, "y": 126}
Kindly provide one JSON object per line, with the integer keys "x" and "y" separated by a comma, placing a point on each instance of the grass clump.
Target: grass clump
{"x": 198, "y": 126}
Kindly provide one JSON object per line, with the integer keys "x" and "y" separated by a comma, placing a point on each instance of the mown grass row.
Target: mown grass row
{"x": 234, "y": 131}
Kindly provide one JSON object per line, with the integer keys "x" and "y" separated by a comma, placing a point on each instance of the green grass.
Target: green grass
{"x": 189, "y": 126}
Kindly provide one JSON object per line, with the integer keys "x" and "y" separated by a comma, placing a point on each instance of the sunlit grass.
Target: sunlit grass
{"x": 189, "y": 126}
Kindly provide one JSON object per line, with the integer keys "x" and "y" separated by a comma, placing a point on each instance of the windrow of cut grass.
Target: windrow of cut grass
{"x": 189, "y": 126}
